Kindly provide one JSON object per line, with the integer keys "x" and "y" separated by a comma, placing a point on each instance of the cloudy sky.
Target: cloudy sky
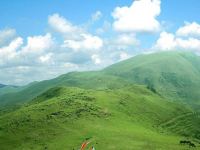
{"x": 43, "y": 39}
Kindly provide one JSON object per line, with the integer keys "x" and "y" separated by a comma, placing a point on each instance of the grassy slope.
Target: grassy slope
{"x": 107, "y": 107}
{"x": 175, "y": 75}
{"x": 9, "y": 89}
{"x": 87, "y": 80}
{"x": 123, "y": 118}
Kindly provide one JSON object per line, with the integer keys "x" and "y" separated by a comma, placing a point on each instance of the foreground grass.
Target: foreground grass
{"x": 126, "y": 118}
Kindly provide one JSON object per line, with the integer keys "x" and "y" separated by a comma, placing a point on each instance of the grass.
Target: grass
{"x": 61, "y": 118}
{"x": 141, "y": 103}
{"x": 175, "y": 75}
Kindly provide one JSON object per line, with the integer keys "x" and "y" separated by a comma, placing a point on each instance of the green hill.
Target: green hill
{"x": 123, "y": 118}
{"x": 9, "y": 89}
{"x": 140, "y": 103}
{"x": 175, "y": 75}
{"x": 86, "y": 80}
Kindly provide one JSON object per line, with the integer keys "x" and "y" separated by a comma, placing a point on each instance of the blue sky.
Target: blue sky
{"x": 29, "y": 17}
{"x": 43, "y": 39}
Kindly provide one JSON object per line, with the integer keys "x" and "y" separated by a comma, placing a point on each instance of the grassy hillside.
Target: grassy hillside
{"x": 86, "y": 80}
{"x": 131, "y": 117}
{"x": 134, "y": 104}
{"x": 175, "y": 75}
{"x": 9, "y": 89}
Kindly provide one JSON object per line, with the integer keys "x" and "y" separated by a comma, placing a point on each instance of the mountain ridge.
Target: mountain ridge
{"x": 178, "y": 71}
{"x": 125, "y": 100}
{"x": 2, "y": 85}
{"x": 64, "y": 116}
{"x": 175, "y": 75}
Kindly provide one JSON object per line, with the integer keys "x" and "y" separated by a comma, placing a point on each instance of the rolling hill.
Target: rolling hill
{"x": 140, "y": 103}
{"x": 86, "y": 80}
{"x": 174, "y": 75}
{"x": 124, "y": 118}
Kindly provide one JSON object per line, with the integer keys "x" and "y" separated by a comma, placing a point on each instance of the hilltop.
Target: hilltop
{"x": 64, "y": 117}
{"x": 145, "y": 100}
{"x": 174, "y": 75}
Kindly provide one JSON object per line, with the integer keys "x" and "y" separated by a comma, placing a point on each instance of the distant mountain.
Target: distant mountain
{"x": 85, "y": 80}
{"x": 174, "y": 75}
{"x": 2, "y": 85}
{"x": 4, "y": 89}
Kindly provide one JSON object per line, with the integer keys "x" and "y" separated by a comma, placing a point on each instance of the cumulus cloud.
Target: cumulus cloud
{"x": 61, "y": 25}
{"x": 126, "y": 43}
{"x": 38, "y": 44}
{"x": 18, "y": 53}
{"x": 47, "y": 58}
{"x": 65, "y": 47}
{"x": 40, "y": 57}
{"x": 80, "y": 39}
{"x": 96, "y": 59}
{"x": 87, "y": 42}
{"x": 139, "y": 17}
{"x": 189, "y": 29}
{"x": 10, "y": 51}
{"x": 168, "y": 41}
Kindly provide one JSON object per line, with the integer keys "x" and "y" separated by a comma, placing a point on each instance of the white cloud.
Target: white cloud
{"x": 96, "y": 59}
{"x": 96, "y": 16}
{"x": 189, "y": 44}
{"x": 10, "y": 51}
{"x": 61, "y": 25}
{"x": 47, "y": 58}
{"x": 38, "y": 44}
{"x": 190, "y": 29}
{"x": 43, "y": 56}
{"x": 124, "y": 55}
{"x": 168, "y": 41}
{"x": 75, "y": 37}
{"x": 114, "y": 45}
{"x": 127, "y": 39}
{"x": 87, "y": 42}
{"x": 139, "y": 17}
{"x": 35, "y": 51}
